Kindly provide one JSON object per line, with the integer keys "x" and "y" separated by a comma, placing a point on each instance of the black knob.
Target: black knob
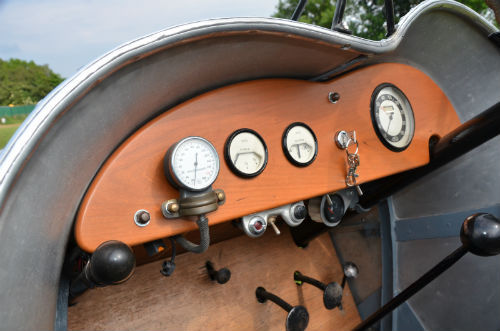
{"x": 480, "y": 234}
{"x": 350, "y": 271}
{"x": 112, "y": 262}
{"x": 300, "y": 212}
{"x": 332, "y": 292}
{"x": 297, "y": 318}
{"x": 222, "y": 276}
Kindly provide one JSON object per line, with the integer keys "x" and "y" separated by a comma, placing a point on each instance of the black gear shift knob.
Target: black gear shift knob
{"x": 481, "y": 234}
{"x": 112, "y": 263}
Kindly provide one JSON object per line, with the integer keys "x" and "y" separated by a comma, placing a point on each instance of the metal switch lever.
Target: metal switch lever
{"x": 271, "y": 221}
{"x": 297, "y": 318}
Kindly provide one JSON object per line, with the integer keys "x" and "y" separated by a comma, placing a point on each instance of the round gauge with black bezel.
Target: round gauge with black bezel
{"x": 191, "y": 164}
{"x": 300, "y": 144}
{"x": 392, "y": 117}
{"x": 246, "y": 153}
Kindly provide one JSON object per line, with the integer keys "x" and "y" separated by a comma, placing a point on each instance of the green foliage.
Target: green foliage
{"x": 6, "y": 133}
{"x": 365, "y": 18}
{"x": 24, "y": 83}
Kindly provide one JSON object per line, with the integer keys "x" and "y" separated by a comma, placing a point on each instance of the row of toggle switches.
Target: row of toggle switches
{"x": 256, "y": 224}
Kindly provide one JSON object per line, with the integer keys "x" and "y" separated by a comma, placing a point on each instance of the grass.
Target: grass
{"x": 8, "y": 128}
{"x": 6, "y": 131}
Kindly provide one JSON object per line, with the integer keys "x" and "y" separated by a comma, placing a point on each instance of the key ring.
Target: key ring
{"x": 351, "y": 141}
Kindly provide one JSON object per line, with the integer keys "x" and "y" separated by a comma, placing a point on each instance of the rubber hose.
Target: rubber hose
{"x": 204, "y": 237}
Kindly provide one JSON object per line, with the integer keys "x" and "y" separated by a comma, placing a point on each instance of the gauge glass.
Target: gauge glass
{"x": 194, "y": 163}
{"x": 246, "y": 153}
{"x": 332, "y": 209}
{"x": 299, "y": 144}
{"x": 392, "y": 117}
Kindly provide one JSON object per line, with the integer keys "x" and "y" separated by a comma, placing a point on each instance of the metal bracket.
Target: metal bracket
{"x": 190, "y": 204}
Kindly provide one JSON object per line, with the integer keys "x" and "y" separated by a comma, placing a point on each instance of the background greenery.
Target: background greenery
{"x": 365, "y": 18}
{"x": 25, "y": 83}
{"x": 22, "y": 83}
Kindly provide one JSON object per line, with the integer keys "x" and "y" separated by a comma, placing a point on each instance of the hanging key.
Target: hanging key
{"x": 344, "y": 140}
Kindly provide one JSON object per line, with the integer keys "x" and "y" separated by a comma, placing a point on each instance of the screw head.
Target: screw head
{"x": 142, "y": 217}
{"x": 333, "y": 97}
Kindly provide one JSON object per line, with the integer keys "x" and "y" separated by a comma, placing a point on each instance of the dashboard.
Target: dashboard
{"x": 276, "y": 141}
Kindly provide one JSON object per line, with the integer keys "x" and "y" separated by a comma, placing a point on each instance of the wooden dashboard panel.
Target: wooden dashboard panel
{"x": 133, "y": 179}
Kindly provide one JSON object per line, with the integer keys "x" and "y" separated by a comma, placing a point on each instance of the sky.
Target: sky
{"x": 68, "y": 34}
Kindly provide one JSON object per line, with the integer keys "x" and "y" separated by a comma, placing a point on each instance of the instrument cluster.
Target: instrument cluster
{"x": 194, "y": 163}
{"x": 260, "y": 145}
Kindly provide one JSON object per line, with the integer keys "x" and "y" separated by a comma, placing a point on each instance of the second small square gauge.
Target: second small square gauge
{"x": 245, "y": 153}
{"x": 300, "y": 144}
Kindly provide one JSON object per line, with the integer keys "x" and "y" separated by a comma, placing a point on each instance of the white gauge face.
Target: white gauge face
{"x": 194, "y": 163}
{"x": 246, "y": 153}
{"x": 394, "y": 119}
{"x": 300, "y": 144}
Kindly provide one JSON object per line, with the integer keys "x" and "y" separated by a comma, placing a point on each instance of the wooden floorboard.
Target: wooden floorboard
{"x": 188, "y": 300}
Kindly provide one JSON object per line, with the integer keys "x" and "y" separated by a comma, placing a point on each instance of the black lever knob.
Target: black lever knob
{"x": 351, "y": 271}
{"x": 480, "y": 233}
{"x": 222, "y": 276}
{"x": 112, "y": 263}
{"x": 297, "y": 318}
{"x": 332, "y": 292}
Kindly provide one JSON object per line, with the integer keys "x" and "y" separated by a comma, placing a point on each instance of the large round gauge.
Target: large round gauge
{"x": 392, "y": 117}
{"x": 192, "y": 164}
{"x": 299, "y": 144}
{"x": 246, "y": 153}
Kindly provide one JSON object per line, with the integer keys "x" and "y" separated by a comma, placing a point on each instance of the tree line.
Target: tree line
{"x": 365, "y": 18}
{"x": 25, "y": 83}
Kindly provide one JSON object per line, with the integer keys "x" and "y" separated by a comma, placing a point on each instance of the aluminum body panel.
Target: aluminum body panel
{"x": 464, "y": 297}
{"x": 470, "y": 76}
{"x": 47, "y": 166}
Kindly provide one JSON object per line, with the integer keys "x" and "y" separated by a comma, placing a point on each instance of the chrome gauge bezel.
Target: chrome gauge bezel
{"x": 229, "y": 161}
{"x": 378, "y": 130}
{"x": 172, "y": 176}
{"x": 287, "y": 152}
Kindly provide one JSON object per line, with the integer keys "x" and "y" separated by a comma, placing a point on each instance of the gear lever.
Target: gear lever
{"x": 112, "y": 263}
{"x": 480, "y": 235}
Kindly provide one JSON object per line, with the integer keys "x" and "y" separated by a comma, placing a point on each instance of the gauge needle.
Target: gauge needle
{"x": 298, "y": 150}
{"x": 390, "y": 120}
{"x": 195, "y": 166}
